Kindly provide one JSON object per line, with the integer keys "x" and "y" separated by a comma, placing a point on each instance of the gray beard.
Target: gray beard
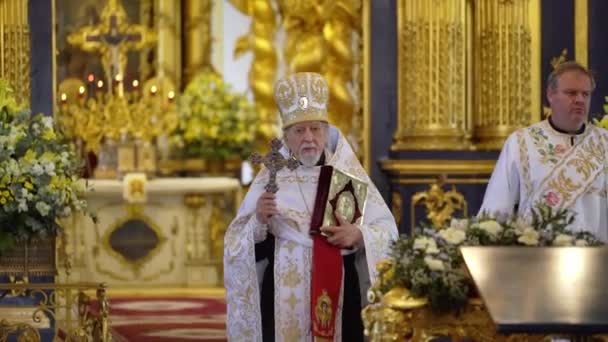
{"x": 310, "y": 161}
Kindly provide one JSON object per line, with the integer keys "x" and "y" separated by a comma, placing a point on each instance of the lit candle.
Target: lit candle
{"x": 100, "y": 84}
{"x": 171, "y": 96}
{"x": 119, "y": 87}
{"x": 135, "y": 84}
{"x": 81, "y": 91}
{"x": 153, "y": 90}
{"x": 63, "y": 98}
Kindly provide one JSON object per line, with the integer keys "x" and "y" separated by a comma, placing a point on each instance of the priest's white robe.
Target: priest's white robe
{"x": 538, "y": 163}
{"x": 293, "y": 249}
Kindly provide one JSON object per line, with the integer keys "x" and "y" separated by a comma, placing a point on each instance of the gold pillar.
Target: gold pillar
{"x": 502, "y": 68}
{"x": 15, "y": 47}
{"x": 169, "y": 40}
{"x": 146, "y": 18}
{"x": 432, "y": 76}
{"x": 260, "y": 41}
{"x": 197, "y": 36}
{"x": 581, "y": 31}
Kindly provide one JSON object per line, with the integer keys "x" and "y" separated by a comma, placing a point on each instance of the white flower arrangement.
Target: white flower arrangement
{"x": 39, "y": 175}
{"x": 429, "y": 263}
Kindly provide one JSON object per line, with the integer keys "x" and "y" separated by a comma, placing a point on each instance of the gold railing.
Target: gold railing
{"x": 66, "y": 309}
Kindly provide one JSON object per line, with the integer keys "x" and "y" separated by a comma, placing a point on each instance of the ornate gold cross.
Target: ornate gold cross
{"x": 274, "y": 162}
{"x": 113, "y": 38}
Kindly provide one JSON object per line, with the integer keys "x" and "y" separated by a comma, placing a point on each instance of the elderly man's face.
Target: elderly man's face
{"x": 306, "y": 141}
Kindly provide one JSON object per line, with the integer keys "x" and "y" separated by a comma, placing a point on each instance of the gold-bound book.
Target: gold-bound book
{"x": 341, "y": 192}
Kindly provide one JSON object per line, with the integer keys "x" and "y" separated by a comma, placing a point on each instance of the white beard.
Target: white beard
{"x": 310, "y": 160}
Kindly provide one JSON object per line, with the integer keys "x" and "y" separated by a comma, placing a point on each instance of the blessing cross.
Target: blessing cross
{"x": 274, "y": 162}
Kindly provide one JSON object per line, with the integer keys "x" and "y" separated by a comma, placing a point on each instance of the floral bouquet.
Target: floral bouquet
{"x": 38, "y": 175}
{"x": 430, "y": 265}
{"x": 213, "y": 121}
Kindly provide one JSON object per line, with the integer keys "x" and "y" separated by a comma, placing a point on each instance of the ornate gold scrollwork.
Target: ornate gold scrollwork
{"x": 440, "y": 205}
{"x": 68, "y": 306}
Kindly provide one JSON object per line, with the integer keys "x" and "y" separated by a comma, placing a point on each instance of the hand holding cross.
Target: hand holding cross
{"x": 274, "y": 162}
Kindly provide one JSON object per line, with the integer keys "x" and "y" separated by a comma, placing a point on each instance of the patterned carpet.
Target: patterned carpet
{"x": 168, "y": 315}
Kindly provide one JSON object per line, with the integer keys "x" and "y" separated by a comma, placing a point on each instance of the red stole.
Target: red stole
{"x": 326, "y": 262}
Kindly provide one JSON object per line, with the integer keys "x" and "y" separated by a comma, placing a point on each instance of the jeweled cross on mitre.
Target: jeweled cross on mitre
{"x": 274, "y": 162}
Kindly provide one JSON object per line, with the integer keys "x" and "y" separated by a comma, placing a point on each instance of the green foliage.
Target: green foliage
{"x": 214, "y": 122}
{"x": 430, "y": 265}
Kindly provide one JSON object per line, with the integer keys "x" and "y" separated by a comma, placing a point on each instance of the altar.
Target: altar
{"x": 151, "y": 233}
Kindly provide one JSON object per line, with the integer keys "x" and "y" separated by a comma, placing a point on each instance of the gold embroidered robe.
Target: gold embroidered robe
{"x": 538, "y": 163}
{"x": 293, "y": 249}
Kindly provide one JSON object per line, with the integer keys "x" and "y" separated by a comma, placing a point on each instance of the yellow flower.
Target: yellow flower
{"x": 28, "y": 185}
{"x": 2, "y": 200}
{"x": 49, "y": 135}
{"x": 529, "y": 237}
{"x": 491, "y": 226}
{"x": 30, "y": 156}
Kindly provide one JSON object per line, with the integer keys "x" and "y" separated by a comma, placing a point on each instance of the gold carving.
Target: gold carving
{"x": 397, "y": 207}
{"x": 330, "y": 46}
{"x": 432, "y": 76}
{"x": 15, "y": 47}
{"x": 197, "y": 33}
{"x": 502, "y": 80}
{"x": 320, "y": 38}
{"x": 400, "y": 317}
{"x": 472, "y": 92}
{"x": 262, "y": 75}
{"x": 440, "y": 205}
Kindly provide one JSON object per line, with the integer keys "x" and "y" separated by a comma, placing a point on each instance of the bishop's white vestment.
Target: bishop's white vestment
{"x": 540, "y": 164}
{"x": 293, "y": 249}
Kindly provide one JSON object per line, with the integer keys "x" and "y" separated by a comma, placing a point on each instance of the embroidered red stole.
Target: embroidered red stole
{"x": 335, "y": 191}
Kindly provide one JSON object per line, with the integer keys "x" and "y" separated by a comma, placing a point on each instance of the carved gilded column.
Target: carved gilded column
{"x": 169, "y": 40}
{"x": 146, "y": 18}
{"x": 432, "y": 76}
{"x": 15, "y": 47}
{"x": 197, "y": 36}
{"x": 260, "y": 41}
{"x": 502, "y": 67}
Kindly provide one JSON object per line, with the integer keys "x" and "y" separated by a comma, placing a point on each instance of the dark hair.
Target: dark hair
{"x": 566, "y": 67}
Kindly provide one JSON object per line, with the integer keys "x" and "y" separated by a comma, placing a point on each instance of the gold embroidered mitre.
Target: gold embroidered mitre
{"x": 302, "y": 97}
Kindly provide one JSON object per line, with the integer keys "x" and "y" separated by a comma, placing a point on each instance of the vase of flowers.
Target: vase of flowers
{"x": 214, "y": 123}
{"x": 429, "y": 264}
{"x": 39, "y": 185}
